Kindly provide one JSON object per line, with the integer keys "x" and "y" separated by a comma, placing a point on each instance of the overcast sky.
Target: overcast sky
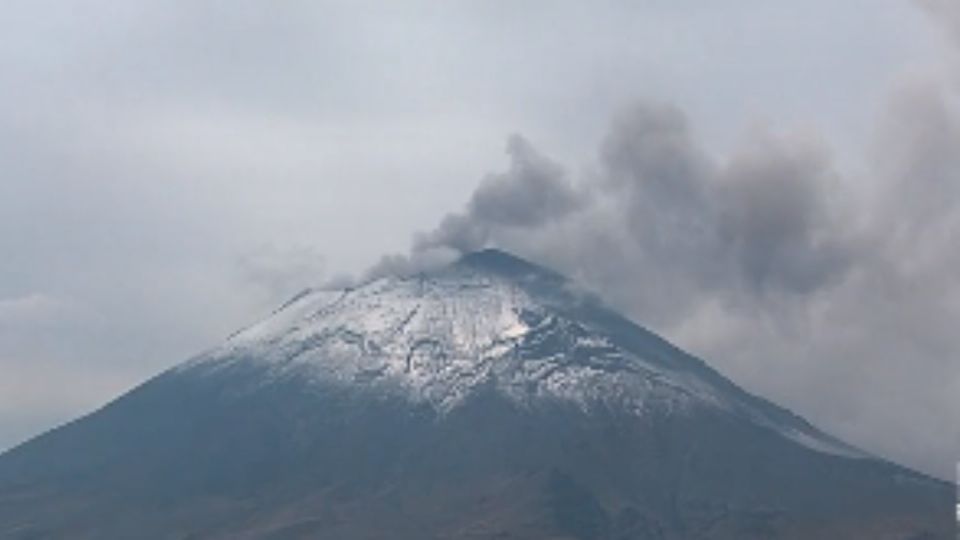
{"x": 771, "y": 186}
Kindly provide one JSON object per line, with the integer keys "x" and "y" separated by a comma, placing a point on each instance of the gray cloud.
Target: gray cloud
{"x": 533, "y": 192}
{"x": 778, "y": 219}
{"x": 657, "y": 208}
{"x": 947, "y": 12}
{"x": 832, "y": 294}
{"x": 281, "y": 271}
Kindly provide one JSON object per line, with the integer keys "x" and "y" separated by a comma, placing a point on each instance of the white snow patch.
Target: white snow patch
{"x": 436, "y": 339}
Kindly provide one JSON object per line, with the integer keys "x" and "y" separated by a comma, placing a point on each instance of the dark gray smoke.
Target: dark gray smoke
{"x": 657, "y": 210}
{"x": 778, "y": 218}
{"x": 833, "y": 294}
{"x": 534, "y": 192}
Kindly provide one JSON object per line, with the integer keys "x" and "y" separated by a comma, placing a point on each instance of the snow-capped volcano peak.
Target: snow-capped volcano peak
{"x": 435, "y": 337}
{"x": 490, "y": 321}
{"x": 487, "y": 399}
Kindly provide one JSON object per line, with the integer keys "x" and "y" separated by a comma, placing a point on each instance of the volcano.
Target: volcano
{"x": 488, "y": 399}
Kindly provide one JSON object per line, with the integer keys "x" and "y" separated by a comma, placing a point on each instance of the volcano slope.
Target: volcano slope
{"x": 487, "y": 399}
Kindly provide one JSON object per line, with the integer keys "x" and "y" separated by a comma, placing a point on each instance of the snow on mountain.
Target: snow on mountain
{"x": 487, "y": 399}
{"x": 491, "y": 321}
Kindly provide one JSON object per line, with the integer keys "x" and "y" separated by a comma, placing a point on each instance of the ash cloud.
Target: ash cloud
{"x": 829, "y": 292}
{"x": 534, "y": 192}
{"x": 657, "y": 209}
{"x": 778, "y": 220}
